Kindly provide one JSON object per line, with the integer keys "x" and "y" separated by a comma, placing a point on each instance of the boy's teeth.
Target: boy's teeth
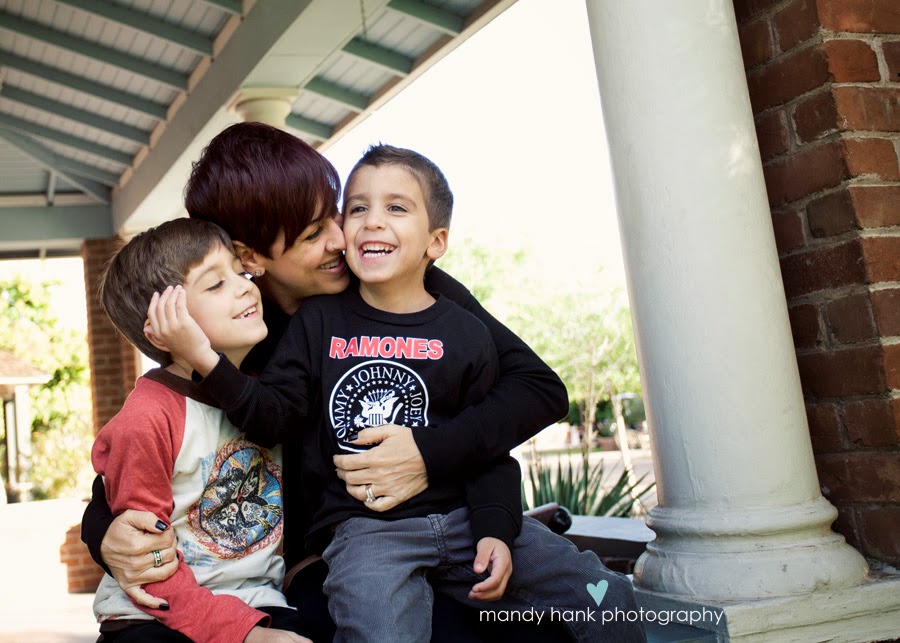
{"x": 376, "y": 249}
{"x": 247, "y": 313}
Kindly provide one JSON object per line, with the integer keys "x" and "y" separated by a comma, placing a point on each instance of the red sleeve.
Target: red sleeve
{"x": 136, "y": 454}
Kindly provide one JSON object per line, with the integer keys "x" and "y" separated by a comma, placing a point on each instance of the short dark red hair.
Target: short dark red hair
{"x": 254, "y": 180}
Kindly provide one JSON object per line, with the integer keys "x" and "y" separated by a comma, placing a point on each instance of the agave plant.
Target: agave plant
{"x": 583, "y": 488}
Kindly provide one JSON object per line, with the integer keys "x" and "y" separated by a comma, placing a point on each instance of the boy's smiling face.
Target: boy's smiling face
{"x": 225, "y": 304}
{"x": 386, "y": 228}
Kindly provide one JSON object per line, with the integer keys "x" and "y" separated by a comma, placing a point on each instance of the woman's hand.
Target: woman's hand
{"x": 265, "y": 635}
{"x": 127, "y": 549}
{"x": 393, "y": 471}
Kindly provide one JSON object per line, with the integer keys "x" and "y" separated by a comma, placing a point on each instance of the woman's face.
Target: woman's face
{"x": 313, "y": 265}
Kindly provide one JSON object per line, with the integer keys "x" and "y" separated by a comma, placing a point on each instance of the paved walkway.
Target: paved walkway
{"x": 34, "y": 604}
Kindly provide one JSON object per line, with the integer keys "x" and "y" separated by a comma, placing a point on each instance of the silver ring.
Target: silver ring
{"x": 370, "y": 497}
{"x": 157, "y": 558}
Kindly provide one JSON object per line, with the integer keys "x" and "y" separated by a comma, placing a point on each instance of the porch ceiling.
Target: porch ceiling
{"x": 105, "y": 103}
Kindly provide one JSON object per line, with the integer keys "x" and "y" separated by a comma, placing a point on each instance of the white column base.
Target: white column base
{"x": 747, "y": 553}
{"x": 869, "y": 611}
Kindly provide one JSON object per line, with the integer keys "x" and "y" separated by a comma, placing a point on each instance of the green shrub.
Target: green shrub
{"x": 580, "y": 487}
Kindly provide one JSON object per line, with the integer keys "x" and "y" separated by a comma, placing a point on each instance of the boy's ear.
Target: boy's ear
{"x": 152, "y": 338}
{"x": 438, "y": 245}
{"x": 249, "y": 258}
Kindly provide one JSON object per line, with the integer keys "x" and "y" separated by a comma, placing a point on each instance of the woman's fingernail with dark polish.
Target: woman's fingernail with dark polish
{"x": 164, "y": 607}
{"x": 161, "y": 525}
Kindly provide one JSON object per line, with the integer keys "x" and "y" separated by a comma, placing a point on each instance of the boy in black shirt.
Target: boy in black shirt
{"x": 388, "y": 351}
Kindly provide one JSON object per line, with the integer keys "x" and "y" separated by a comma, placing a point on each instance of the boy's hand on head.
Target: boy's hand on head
{"x": 394, "y": 470}
{"x": 491, "y": 554}
{"x": 170, "y": 323}
{"x": 127, "y": 549}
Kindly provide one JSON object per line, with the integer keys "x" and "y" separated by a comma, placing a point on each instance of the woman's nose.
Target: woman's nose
{"x": 334, "y": 237}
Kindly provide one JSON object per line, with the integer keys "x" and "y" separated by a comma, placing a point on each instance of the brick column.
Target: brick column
{"x": 824, "y": 81}
{"x": 82, "y": 573}
{"x": 114, "y": 364}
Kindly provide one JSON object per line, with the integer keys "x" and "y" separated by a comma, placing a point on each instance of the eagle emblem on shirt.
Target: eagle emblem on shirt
{"x": 373, "y": 393}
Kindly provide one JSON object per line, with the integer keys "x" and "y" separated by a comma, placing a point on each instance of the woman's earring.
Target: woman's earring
{"x": 257, "y": 273}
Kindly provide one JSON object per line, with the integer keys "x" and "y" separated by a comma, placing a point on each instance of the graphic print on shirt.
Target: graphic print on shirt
{"x": 374, "y": 393}
{"x": 241, "y": 507}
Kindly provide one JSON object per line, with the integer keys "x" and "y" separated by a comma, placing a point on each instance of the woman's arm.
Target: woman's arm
{"x": 528, "y": 397}
{"x": 122, "y": 545}
{"x": 96, "y": 521}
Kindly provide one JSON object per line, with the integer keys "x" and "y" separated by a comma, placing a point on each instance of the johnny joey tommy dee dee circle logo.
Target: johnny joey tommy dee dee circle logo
{"x": 374, "y": 393}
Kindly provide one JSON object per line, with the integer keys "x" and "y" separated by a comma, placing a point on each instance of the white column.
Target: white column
{"x": 12, "y": 441}
{"x": 740, "y": 513}
{"x": 269, "y": 105}
{"x": 23, "y": 418}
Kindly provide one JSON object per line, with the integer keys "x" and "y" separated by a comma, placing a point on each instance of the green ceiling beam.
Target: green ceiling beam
{"x": 58, "y": 136}
{"x": 337, "y": 93}
{"x": 388, "y": 59}
{"x": 440, "y": 19}
{"x": 153, "y": 192}
{"x": 234, "y": 7}
{"x": 156, "y": 111}
{"x": 317, "y": 130}
{"x": 146, "y": 23}
{"x": 101, "y": 53}
{"x": 88, "y": 171}
{"x": 65, "y": 168}
{"x": 84, "y": 117}
{"x": 50, "y": 223}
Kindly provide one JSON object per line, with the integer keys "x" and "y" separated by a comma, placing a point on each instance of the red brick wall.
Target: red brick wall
{"x": 82, "y": 573}
{"x": 824, "y": 79}
{"x": 113, "y": 360}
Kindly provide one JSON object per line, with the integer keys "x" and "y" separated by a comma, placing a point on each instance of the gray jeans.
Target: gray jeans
{"x": 382, "y": 574}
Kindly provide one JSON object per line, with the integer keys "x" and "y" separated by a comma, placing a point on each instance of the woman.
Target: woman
{"x": 277, "y": 198}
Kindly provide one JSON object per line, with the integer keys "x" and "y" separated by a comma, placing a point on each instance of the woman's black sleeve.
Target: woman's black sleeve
{"x": 96, "y": 521}
{"x": 528, "y": 397}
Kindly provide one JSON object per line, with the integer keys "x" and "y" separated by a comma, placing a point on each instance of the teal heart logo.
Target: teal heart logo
{"x": 598, "y": 591}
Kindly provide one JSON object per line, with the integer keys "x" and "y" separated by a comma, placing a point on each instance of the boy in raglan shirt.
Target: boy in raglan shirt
{"x": 172, "y": 451}
{"x": 388, "y": 351}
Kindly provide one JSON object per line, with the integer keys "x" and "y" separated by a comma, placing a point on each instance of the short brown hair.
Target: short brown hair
{"x": 254, "y": 180}
{"x": 156, "y": 258}
{"x": 438, "y": 197}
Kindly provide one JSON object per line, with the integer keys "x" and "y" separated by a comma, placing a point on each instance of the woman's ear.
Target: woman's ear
{"x": 249, "y": 259}
{"x": 438, "y": 245}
